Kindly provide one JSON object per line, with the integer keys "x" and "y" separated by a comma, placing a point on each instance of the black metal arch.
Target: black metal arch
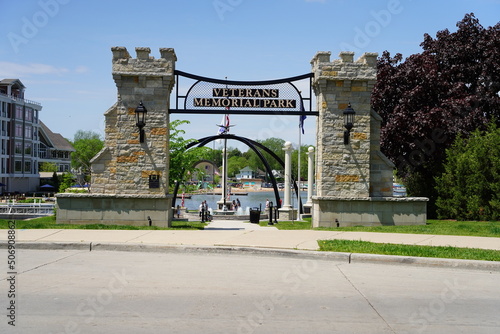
{"x": 252, "y": 144}
{"x": 201, "y": 79}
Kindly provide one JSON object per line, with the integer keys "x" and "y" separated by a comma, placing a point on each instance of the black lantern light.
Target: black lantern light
{"x": 140, "y": 118}
{"x": 348, "y": 122}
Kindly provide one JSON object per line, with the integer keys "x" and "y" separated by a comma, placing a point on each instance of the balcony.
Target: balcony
{"x": 18, "y": 99}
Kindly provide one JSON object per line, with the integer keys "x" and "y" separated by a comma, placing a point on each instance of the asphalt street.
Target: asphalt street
{"x": 81, "y": 291}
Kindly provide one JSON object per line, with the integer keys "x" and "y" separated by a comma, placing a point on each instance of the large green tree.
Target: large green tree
{"x": 182, "y": 161}
{"x": 469, "y": 189}
{"x": 273, "y": 144}
{"x": 87, "y": 144}
{"x": 451, "y": 88}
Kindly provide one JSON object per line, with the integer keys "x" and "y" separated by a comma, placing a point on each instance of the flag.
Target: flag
{"x": 224, "y": 125}
{"x": 302, "y": 117}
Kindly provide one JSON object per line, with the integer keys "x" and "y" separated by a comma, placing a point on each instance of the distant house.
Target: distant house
{"x": 208, "y": 170}
{"x": 55, "y": 149}
{"x": 246, "y": 173}
{"x": 248, "y": 178}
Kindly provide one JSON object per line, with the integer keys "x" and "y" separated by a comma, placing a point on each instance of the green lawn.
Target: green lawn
{"x": 50, "y": 223}
{"x": 439, "y": 227}
{"x": 355, "y": 246}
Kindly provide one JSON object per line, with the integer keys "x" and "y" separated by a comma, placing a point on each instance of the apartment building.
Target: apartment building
{"x": 25, "y": 141}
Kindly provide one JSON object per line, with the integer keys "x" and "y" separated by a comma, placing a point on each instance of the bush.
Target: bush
{"x": 469, "y": 189}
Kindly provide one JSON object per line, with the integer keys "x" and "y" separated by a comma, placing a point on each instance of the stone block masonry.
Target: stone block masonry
{"x": 356, "y": 175}
{"x": 141, "y": 79}
{"x": 130, "y": 178}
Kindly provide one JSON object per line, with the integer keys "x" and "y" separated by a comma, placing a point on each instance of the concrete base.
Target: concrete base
{"x": 307, "y": 208}
{"x": 307, "y": 211}
{"x": 371, "y": 211}
{"x": 286, "y": 214}
{"x": 229, "y": 205}
{"x": 112, "y": 209}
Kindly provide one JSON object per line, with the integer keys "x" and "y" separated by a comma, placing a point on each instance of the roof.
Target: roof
{"x": 56, "y": 140}
{"x": 246, "y": 169}
{"x": 11, "y": 82}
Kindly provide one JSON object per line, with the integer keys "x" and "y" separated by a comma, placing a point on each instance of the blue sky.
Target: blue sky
{"x": 60, "y": 49}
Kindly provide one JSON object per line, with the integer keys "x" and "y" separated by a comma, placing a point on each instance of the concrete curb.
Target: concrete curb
{"x": 292, "y": 253}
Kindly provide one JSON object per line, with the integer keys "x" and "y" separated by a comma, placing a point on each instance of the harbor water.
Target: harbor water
{"x": 252, "y": 200}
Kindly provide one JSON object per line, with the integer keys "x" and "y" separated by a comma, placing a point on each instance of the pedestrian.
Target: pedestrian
{"x": 178, "y": 211}
{"x": 267, "y": 203}
{"x": 238, "y": 203}
{"x": 235, "y": 207}
{"x": 200, "y": 209}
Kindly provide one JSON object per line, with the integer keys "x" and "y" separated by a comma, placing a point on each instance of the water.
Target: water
{"x": 253, "y": 199}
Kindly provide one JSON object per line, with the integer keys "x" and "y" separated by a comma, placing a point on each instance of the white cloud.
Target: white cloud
{"x": 15, "y": 70}
{"x": 81, "y": 69}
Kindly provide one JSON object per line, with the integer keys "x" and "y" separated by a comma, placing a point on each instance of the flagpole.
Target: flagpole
{"x": 301, "y": 130}
{"x": 298, "y": 172}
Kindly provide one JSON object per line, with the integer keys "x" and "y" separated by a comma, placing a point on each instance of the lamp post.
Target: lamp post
{"x": 348, "y": 122}
{"x": 140, "y": 118}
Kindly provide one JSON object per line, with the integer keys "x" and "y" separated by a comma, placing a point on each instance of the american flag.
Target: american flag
{"x": 224, "y": 128}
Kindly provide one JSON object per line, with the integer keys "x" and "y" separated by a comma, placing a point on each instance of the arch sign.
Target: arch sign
{"x": 215, "y": 96}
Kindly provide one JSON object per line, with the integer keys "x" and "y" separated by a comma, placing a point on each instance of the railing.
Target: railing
{"x": 27, "y": 210}
{"x": 15, "y": 98}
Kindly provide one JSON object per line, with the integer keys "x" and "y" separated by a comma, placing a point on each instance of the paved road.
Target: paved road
{"x": 139, "y": 292}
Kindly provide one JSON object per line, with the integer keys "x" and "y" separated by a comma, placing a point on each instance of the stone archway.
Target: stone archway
{"x": 130, "y": 177}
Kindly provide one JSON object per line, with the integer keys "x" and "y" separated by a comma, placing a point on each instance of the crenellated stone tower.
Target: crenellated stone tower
{"x": 130, "y": 178}
{"x": 354, "y": 180}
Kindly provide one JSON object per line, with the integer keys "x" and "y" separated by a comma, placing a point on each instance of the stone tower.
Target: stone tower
{"x": 125, "y": 165}
{"x": 354, "y": 180}
{"x": 129, "y": 177}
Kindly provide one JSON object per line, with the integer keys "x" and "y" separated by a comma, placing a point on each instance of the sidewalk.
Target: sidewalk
{"x": 241, "y": 234}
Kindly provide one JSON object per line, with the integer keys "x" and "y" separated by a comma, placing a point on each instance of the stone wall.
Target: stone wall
{"x": 369, "y": 211}
{"x": 356, "y": 176}
{"x": 134, "y": 210}
{"x": 125, "y": 165}
{"x": 129, "y": 178}
{"x": 345, "y": 170}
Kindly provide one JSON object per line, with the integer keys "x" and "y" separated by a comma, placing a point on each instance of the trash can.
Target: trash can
{"x": 254, "y": 215}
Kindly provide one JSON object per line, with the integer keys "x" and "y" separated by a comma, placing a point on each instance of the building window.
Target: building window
{"x": 28, "y": 132}
{"x": 19, "y": 130}
{"x": 19, "y": 112}
{"x": 18, "y": 166}
{"x": 18, "y": 148}
{"x": 27, "y": 149}
{"x": 27, "y": 167}
{"x": 29, "y": 114}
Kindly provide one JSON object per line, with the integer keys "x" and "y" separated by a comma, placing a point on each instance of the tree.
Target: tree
{"x": 65, "y": 181}
{"x": 303, "y": 162}
{"x": 426, "y": 101}
{"x": 469, "y": 189}
{"x": 275, "y": 145}
{"x": 182, "y": 162}
{"x": 87, "y": 144}
{"x": 235, "y": 164}
{"x": 48, "y": 167}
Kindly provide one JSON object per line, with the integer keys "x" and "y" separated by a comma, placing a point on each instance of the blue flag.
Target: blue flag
{"x": 302, "y": 117}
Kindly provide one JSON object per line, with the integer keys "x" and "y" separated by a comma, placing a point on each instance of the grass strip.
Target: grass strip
{"x": 436, "y": 227}
{"x": 50, "y": 223}
{"x": 447, "y": 252}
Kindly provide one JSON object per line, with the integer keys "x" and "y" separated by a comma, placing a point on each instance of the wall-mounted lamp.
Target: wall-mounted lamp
{"x": 140, "y": 118}
{"x": 348, "y": 122}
